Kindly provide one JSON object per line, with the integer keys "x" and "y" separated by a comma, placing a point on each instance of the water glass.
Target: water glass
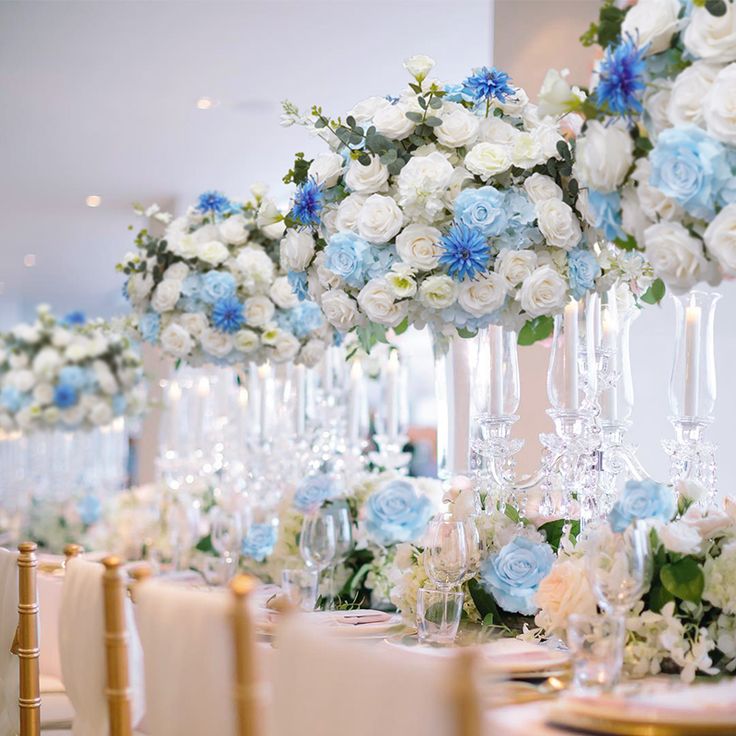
{"x": 317, "y": 541}
{"x": 438, "y": 615}
{"x": 300, "y": 587}
{"x": 340, "y": 513}
{"x": 226, "y": 534}
{"x": 446, "y": 558}
{"x": 597, "y": 647}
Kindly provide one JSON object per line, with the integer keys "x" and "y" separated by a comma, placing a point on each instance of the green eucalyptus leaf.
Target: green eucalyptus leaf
{"x": 415, "y": 117}
{"x": 435, "y": 103}
{"x": 402, "y": 327}
{"x": 716, "y": 8}
{"x": 433, "y": 122}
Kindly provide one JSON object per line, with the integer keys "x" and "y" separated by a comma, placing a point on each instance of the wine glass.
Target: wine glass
{"x": 226, "y": 534}
{"x": 343, "y": 542}
{"x": 474, "y": 547}
{"x": 182, "y": 523}
{"x": 619, "y": 566}
{"x": 446, "y": 557}
{"x": 317, "y": 542}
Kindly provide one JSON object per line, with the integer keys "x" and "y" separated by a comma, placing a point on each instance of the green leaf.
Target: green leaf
{"x": 364, "y": 159}
{"x": 716, "y": 8}
{"x": 658, "y": 597}
{"x": 628, "y": 244}
{"x": 488, "y": 620}
{"x": 415, "y": 117}
{"x": 553, "y": 531}
{"x": 512, "y": 513}
{"x": 435, "y": 103}
{"x": 465, "y": 332}
{"x": 402, "y": 327}
{"x": 433, "y": 122}
{"x": 484, "y": 601}
{"x": 684, "y": 579}
{"x": 655, "y": 293}
{"x": 205, "y": 545}
{"x": 536, "y": 329}
{"x": 354, "y": 584}
{"x": 422, "y": 103}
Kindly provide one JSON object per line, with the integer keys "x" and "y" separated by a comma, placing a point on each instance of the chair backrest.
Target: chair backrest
{"x": 29, "y": 690}
{"x": 322, "y": 681}
{"x": 200, "y": 660}
{"x": 9, "y": 716}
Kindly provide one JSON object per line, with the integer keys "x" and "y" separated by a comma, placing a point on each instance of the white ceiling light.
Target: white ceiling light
{"x": 29, "y": 260}
{"x": 94, "y": 200}
{"x": 206, "y": 103}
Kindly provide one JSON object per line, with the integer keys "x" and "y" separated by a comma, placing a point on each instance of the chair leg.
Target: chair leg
{"x": 29, "y": 700}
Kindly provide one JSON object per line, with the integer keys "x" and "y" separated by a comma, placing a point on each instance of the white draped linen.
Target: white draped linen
{"x": 8, "y": 662}
{"x": 82, "y": 649}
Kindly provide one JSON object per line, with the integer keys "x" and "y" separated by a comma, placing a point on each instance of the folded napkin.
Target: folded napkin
{"x": 8, "y": 624}
{"x": 82, "y": 649}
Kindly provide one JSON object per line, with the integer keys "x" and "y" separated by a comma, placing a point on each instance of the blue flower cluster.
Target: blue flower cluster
{"x": 606, "y": 211}
{"x": 216, "y": 202}
{"x": 396, "y": 513}
{"x": 75, "y": 318}
{"x": 621, "y": 79}
{"x": 308, "y": 203}
{"x": 259, "y": 542}
{"x": 304, "y": 318}
{"x": 13, "y": 400}
{"x": 356, "y": 260}
{"x": 298, "y": 282}
{"x": 89, "y": 508}
{"x": 227, "y": 314}
{"x": 582, "y": 271}
{"x": 314, "y": 491}
{"x": 645, "y": 499}
{"x": 465, "y": 252}
{"x": 149, "y": 325}
{"x": 486, "y": 84}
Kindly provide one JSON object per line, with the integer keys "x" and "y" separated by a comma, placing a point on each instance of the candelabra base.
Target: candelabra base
{"x": 691, "y": 457}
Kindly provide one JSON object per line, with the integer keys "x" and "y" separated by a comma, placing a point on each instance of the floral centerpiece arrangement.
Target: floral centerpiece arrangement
{"x": 67, "y": 374}
{"x": 657, "y": 155}
{"x": 209, "y": 289}
{"x": 453, "y": 206}
{"x": 686, "y": 619}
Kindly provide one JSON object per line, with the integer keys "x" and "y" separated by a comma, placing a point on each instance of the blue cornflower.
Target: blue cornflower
{"x": 308, "y": 202}
{"x": 227, "y": 315}
{"x": 488, "y": 84}
{"x": 466, "y": 252}
{"x": 298, "y": 282}
{"x": 215, "y": 202}
{"x": 621, "y": 79}
{"x": 65, "y": 396}
{"x": 77, "y": 317}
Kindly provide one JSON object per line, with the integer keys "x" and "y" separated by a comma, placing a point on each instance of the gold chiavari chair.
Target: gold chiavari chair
{"x": 468, "y": 717}
{"x": 27, "y": 646}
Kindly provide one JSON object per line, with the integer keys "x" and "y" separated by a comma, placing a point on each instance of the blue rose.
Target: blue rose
{"x": 344, "y": 257}
{"x": 513, "y": 574}
{"x": 313, "y": 492}
{"x": 149, "y": 326}
{"x": 11, "y": 399}
{"x": 73, "y": 375}
{"x": 89, "y": 509}
{"x": 691, "y": 167}
{"x": 582, "y": 271}
{"x": 304, "y": 318}
{"x": 65, "y": 396}
{"x": 192, "y": 286}
{"x": 642, "y": 499}
{"x": 520, "y": 209}
{"x": 298, "y": 282}
{"x": 217, "y": 285}
{"x": 396, "y": 513}
{"x": 606, "y": 211}
{"x": 259, "y": 542}
{"x": 482, "y": 209}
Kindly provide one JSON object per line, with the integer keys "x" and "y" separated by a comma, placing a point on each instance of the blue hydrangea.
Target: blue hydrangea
{"x": 377, "y": 261}
{"x": 488, "y": 83}
{"x": 76, "y": 317}
{"x": 582, "y": 271}
{"x": 227, "y": 315}
{"x": 642, "y": 499}
{"x": 513, "y": 574}
{"x": 77, "y": 377}
{"x": 191, "y": 286}
{"x": 465, "y": 252}
{"x": 65, "y": 396}
{"x": 259, "y": 542}
{"x": 483, "y": 210}
{"x": 621, "y": 79}
{"x": 216, "y": 202}
{"x": 119, "y": 404}
{"x": 89, "y": 508}
{"x": 308, "y": 203}
{"x": 692, "y": 168}
{"x": 149, "y": 326}
{"x": 11, "y": 399}
{"x": 217, "y": 285}
{"x": 313, "y": 491}
{"x": 456, "y": 315}
{"x": 457, "y": 93}
{"x": 606, "y": 210}
{"x": 299, "y": 284}
{"x": 345, "y": 257}
{"x": 190, "y": 304}
{"x": 304, "y": 318}
{"x": 396, "y": 513}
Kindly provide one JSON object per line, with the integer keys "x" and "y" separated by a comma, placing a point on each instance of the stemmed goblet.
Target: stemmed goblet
{"x": 317, "y": 541}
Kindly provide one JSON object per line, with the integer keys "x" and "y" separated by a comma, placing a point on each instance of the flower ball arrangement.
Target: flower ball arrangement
{"x": 67, "y": 374}
{"x": 210, "y": 289}
{"x": 452, "y": 206}
{"x": 658, "y": 152}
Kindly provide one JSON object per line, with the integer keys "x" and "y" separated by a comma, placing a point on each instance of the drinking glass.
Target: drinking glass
{"x": 300, "y": 587}
{"x": 619, "y": 566}
{"x": 340, "y": 514}
{"x": 446, "y": 558}
{"x": 597, "y": 647}
{"x": 438, "y": 615}
{"x": 226, "y": 534}
{"x": 182, "y": 523}
{"x": 317, "y": 542}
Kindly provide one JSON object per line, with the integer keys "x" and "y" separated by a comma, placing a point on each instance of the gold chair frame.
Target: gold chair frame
{"x": 247, "y": 699}
{"x": 27, "y": 648}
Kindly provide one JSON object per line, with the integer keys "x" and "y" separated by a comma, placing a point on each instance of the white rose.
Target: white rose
{"x": 438, "y": 292}
{"x": 656, "y": 102}
{"x": 195, "y": 323}
{"x": 138, "y": 287}
{"x": 255, "y": 270}
{"x": 72, "y": 416}
{"x": 51, "y": 415}
{"x": 312, "y": 353}
{"x": 326, "y": 168}
{"x": 652, "y": 22}
{"x": 459, "y": 127}
{"x": 27, "y": 333}
{"x": 166, "y": 295}
{"x": 488, "y": 159}
{"x": 633, "y": 217}
{"x": 376, "y": 299}
{"x": 285, "y": 347}
{"x": 720, "y": 106}
{"x": 543, "y": 292}
{"x": 556, "y": 96}
{"x": 604, "y": 154}
{"x": 526, "y": 151}
{"x": 546, "y": 136}
{"x": 720, "y": 239}
{"x": 677, "y": 536}
{"x": 246, "y": 341}
{"x": 176, "y": 341}
{"x": 176, "y": 272}
{"x": 105, "y": 379}
{"x": 688, "y": 90}
{"x": 401, "y": 280}
{"x": 367, "y": 179}
{"x": 297, "y": 250}
{"x": 422, "y": 184}
{"x": 259, "y": 311}
{"x": 495, "y": 130}
{"x": 654, "y": 204}
{"x": 364, "y": 111}
{"x": 97, "y": 345}
{"x": 339, "y": 309}
{"x": 60, "y": 337}
{"x": 392, "y": 122}
{"x": 282, "y": 294}
{"x": 46, "y": 362}
{"x": 348, "y": 211}
{"x": 77, "y": 350}
{"x": 710, "y": 37}
{"x": 676, "y": 256}
{"x": 24, "y": 418}
{"x": 18, "y": 360}
{"x": 326, "y": 278}
{"x": 418, "y": 246}
{"x": 270, "y": 220}
{"x": 100, "y": 413}
{"x": 540, "y": 187}
{"x": 515, "y": 265}
{"x": 558, "y": 223}
{"x": 482, "y": 295}
{"x": 217, "y": 344}
{"x": 43, "y": 393}
{"x": 213, "y": 252}
{"x": 379, "y": 219}
{"x": 566, "y": 590}
{"x": 419, "y": 66}
{"x": 233, "y": 230}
